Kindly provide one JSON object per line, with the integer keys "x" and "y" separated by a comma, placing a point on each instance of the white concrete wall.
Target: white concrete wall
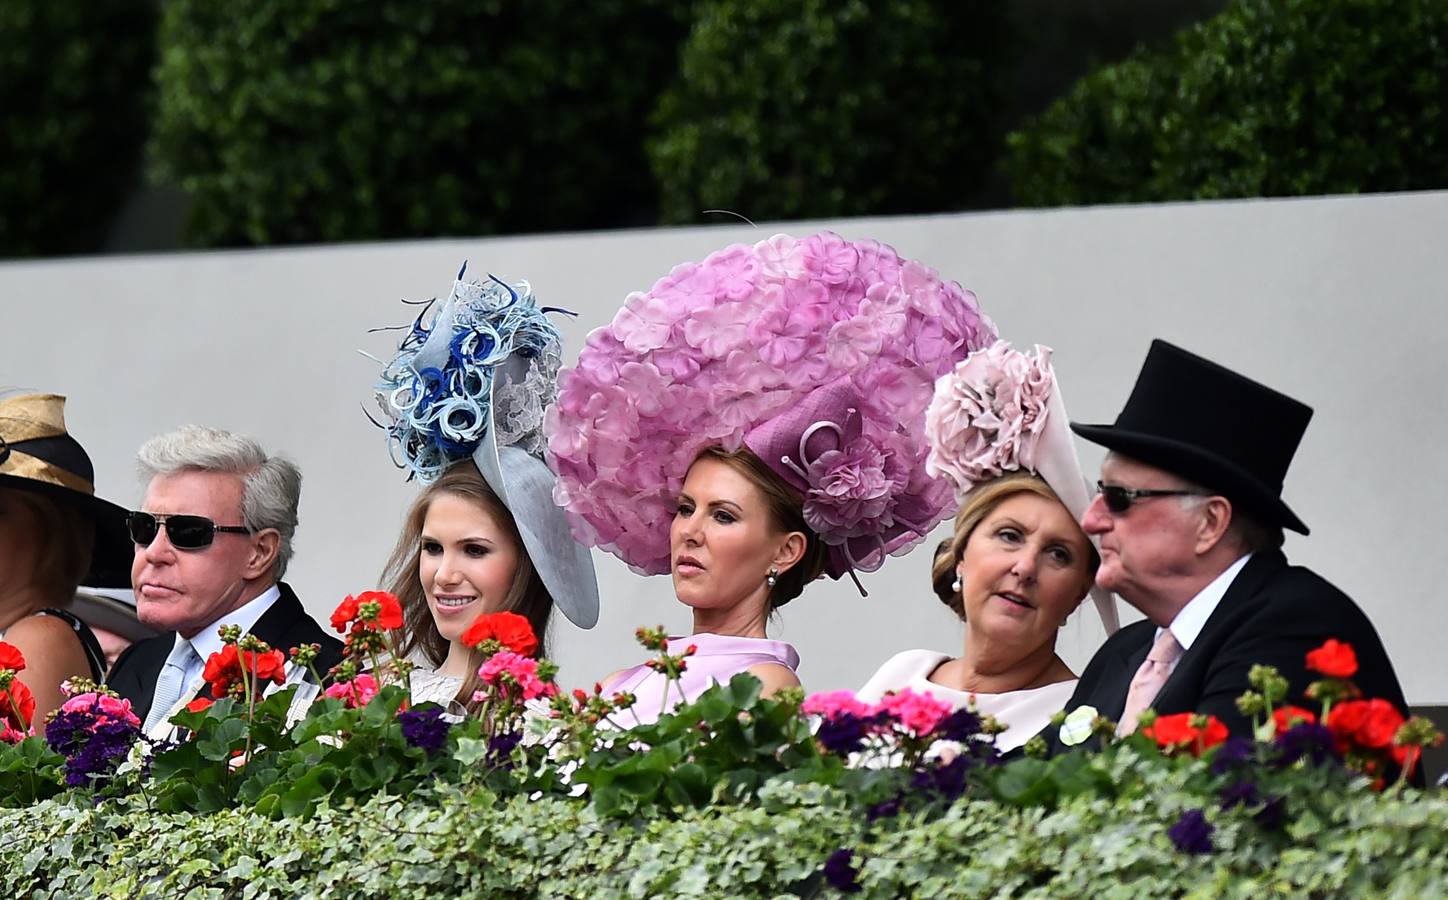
{"x": 1337, "y": 301}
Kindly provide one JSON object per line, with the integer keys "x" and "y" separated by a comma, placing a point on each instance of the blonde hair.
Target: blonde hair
{"x": 979, "y": 503}
{"x": 402, "y": 576}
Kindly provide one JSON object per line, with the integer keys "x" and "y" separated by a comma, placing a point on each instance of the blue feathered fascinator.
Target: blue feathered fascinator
{"x": 473, "y": 381}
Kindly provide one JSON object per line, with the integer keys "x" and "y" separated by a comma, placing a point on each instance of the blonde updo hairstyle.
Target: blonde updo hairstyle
{"x": 979, "y": 504}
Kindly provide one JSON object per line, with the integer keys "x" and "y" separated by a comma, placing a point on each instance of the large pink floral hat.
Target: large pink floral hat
{"x": 999, "y": 411}
{"x": 818, "y": 354}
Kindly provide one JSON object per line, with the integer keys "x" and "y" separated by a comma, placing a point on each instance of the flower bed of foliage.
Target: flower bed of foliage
{"x": 539, "y": 792}
{"x": 451, "y": 841}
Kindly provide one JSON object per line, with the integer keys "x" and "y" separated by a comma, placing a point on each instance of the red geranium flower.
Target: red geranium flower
{"x": 11, "y": 658}
{"x": 200, "y": 704}
{"x": 507, "y": 628}
{"x": 349, "y": 611}
{"x": 222, "y": 668}
{"x": 1334, "y": 659}
{"x": 1176, "y": 731}
{"x": 268, "y": 665}
{"x": 389, "y": 617}
{"x": 1284, "y": 717}
{"x": 225, "y": 668}
{"x": 17, "y": 699}
{"x": 1365, "y": 723}
{"x": 345, "y": 612}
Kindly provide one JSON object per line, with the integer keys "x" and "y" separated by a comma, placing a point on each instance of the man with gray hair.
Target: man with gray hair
{"x": 213, "y": 538}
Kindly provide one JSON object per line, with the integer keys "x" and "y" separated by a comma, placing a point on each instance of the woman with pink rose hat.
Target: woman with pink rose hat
{"x": 753, "y": 421}
{"x": 998, "y": 433}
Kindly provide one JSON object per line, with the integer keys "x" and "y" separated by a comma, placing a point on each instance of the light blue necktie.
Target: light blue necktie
{"x": 172, "y": 681}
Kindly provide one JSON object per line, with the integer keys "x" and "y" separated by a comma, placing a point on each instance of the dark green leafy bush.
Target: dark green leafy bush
{"x": 787, "y": 109}
{"x": 1269, "y": 98}
{"x": 310, "y": 120}
{"x": 452, "y": 842}
{"x": 73, "y": 90}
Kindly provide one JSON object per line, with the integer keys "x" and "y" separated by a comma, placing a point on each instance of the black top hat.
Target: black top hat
{"x": 39, "y": 456}
{"x": 1206, "y": 423}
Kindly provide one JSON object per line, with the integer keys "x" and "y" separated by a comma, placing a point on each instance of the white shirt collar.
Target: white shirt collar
{"x": 1193, "y": 617}
{"x": 207, "y": 641}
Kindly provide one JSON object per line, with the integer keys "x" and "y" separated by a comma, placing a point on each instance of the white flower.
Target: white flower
{"x": 1077, "y": 726}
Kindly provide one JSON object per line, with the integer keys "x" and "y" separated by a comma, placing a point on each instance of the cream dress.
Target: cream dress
{"x": 1025, "y": 713}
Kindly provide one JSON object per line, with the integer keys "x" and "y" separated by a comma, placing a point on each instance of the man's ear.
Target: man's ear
{"x": 265, "y": 545}
{"x": 1216, "y": 520}
{"x": 790, "y": 551}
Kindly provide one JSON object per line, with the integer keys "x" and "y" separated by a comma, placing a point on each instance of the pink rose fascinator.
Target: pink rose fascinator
{"x": 999, "y": 411}
{"x": 818, "y": 354}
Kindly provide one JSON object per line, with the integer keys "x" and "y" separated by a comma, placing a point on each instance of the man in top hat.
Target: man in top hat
{"x": 212, "y": 541}
{"x": 1190, "y": 520}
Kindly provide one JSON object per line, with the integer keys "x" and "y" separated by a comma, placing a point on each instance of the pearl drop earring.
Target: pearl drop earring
{"x": 955, "y": 585}
{"x": 772, "y": 577}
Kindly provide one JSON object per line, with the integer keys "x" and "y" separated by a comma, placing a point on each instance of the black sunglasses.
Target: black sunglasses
{"x": 1119, "y": 499}
{"x": 184, "y": 532}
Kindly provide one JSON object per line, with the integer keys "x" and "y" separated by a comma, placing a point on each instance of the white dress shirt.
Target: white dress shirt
{"x": 208, "y": 641}
{"x": 1189, "y": 622}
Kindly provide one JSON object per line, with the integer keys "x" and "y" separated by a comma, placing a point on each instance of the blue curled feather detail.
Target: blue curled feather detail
{"x": 437, "y": 413}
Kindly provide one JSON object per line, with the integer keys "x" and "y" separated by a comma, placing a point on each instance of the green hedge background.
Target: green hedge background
{"x": 1270, "y": 98}
{"x": 286, "y": 121}
{"x": 73, "y": 93}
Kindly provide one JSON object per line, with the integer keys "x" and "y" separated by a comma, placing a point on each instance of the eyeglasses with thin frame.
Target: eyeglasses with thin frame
{"x": 1119, "y": 499}
{"x": 183, "y": 531}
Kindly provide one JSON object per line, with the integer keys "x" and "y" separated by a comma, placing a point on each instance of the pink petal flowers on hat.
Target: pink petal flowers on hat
{"x": 718, "y": 350}
{"x": 988, "y": 415}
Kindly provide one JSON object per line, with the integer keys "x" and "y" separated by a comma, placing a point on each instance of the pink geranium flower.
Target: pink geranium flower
{"x": 357, "y": 692}
{"x": 834, "y": 703}
{"x": 502, "y": 669}
{"x": 920, "y": 713}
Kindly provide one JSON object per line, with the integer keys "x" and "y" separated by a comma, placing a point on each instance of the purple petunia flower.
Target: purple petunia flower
{"x": 842, "y": 733}
{"x": 1192, "y": 833}
{"x": 1306, "y": 740}
{"x": 1233, "y": 751}
{"x": 424, "y": 728}
{"x": 841, "y": 873}
{"x": 1243, "y": 793}
{"x": 960, "y": 726}
{"x": 500, "y": 749}
{"x": 93, "y": 741}
{"x": 885, "y": 809}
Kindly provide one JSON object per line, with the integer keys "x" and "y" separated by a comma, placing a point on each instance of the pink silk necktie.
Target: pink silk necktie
{"x": 1149, "y": 678}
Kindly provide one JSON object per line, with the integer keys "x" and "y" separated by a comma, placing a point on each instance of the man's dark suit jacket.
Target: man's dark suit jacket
{"x": 1273, "y": 613}
{"x": 284, "y": 625}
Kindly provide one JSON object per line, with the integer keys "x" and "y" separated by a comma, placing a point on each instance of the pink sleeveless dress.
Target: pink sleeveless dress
{"x": 718, "y": 659}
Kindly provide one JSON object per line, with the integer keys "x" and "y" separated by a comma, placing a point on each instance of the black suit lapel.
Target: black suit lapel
{"x": 1179, "y": 692}
{"x": 276, "y": 624}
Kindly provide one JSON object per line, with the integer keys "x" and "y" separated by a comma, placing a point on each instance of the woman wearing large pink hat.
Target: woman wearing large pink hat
{"x": 753, "y": 421}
